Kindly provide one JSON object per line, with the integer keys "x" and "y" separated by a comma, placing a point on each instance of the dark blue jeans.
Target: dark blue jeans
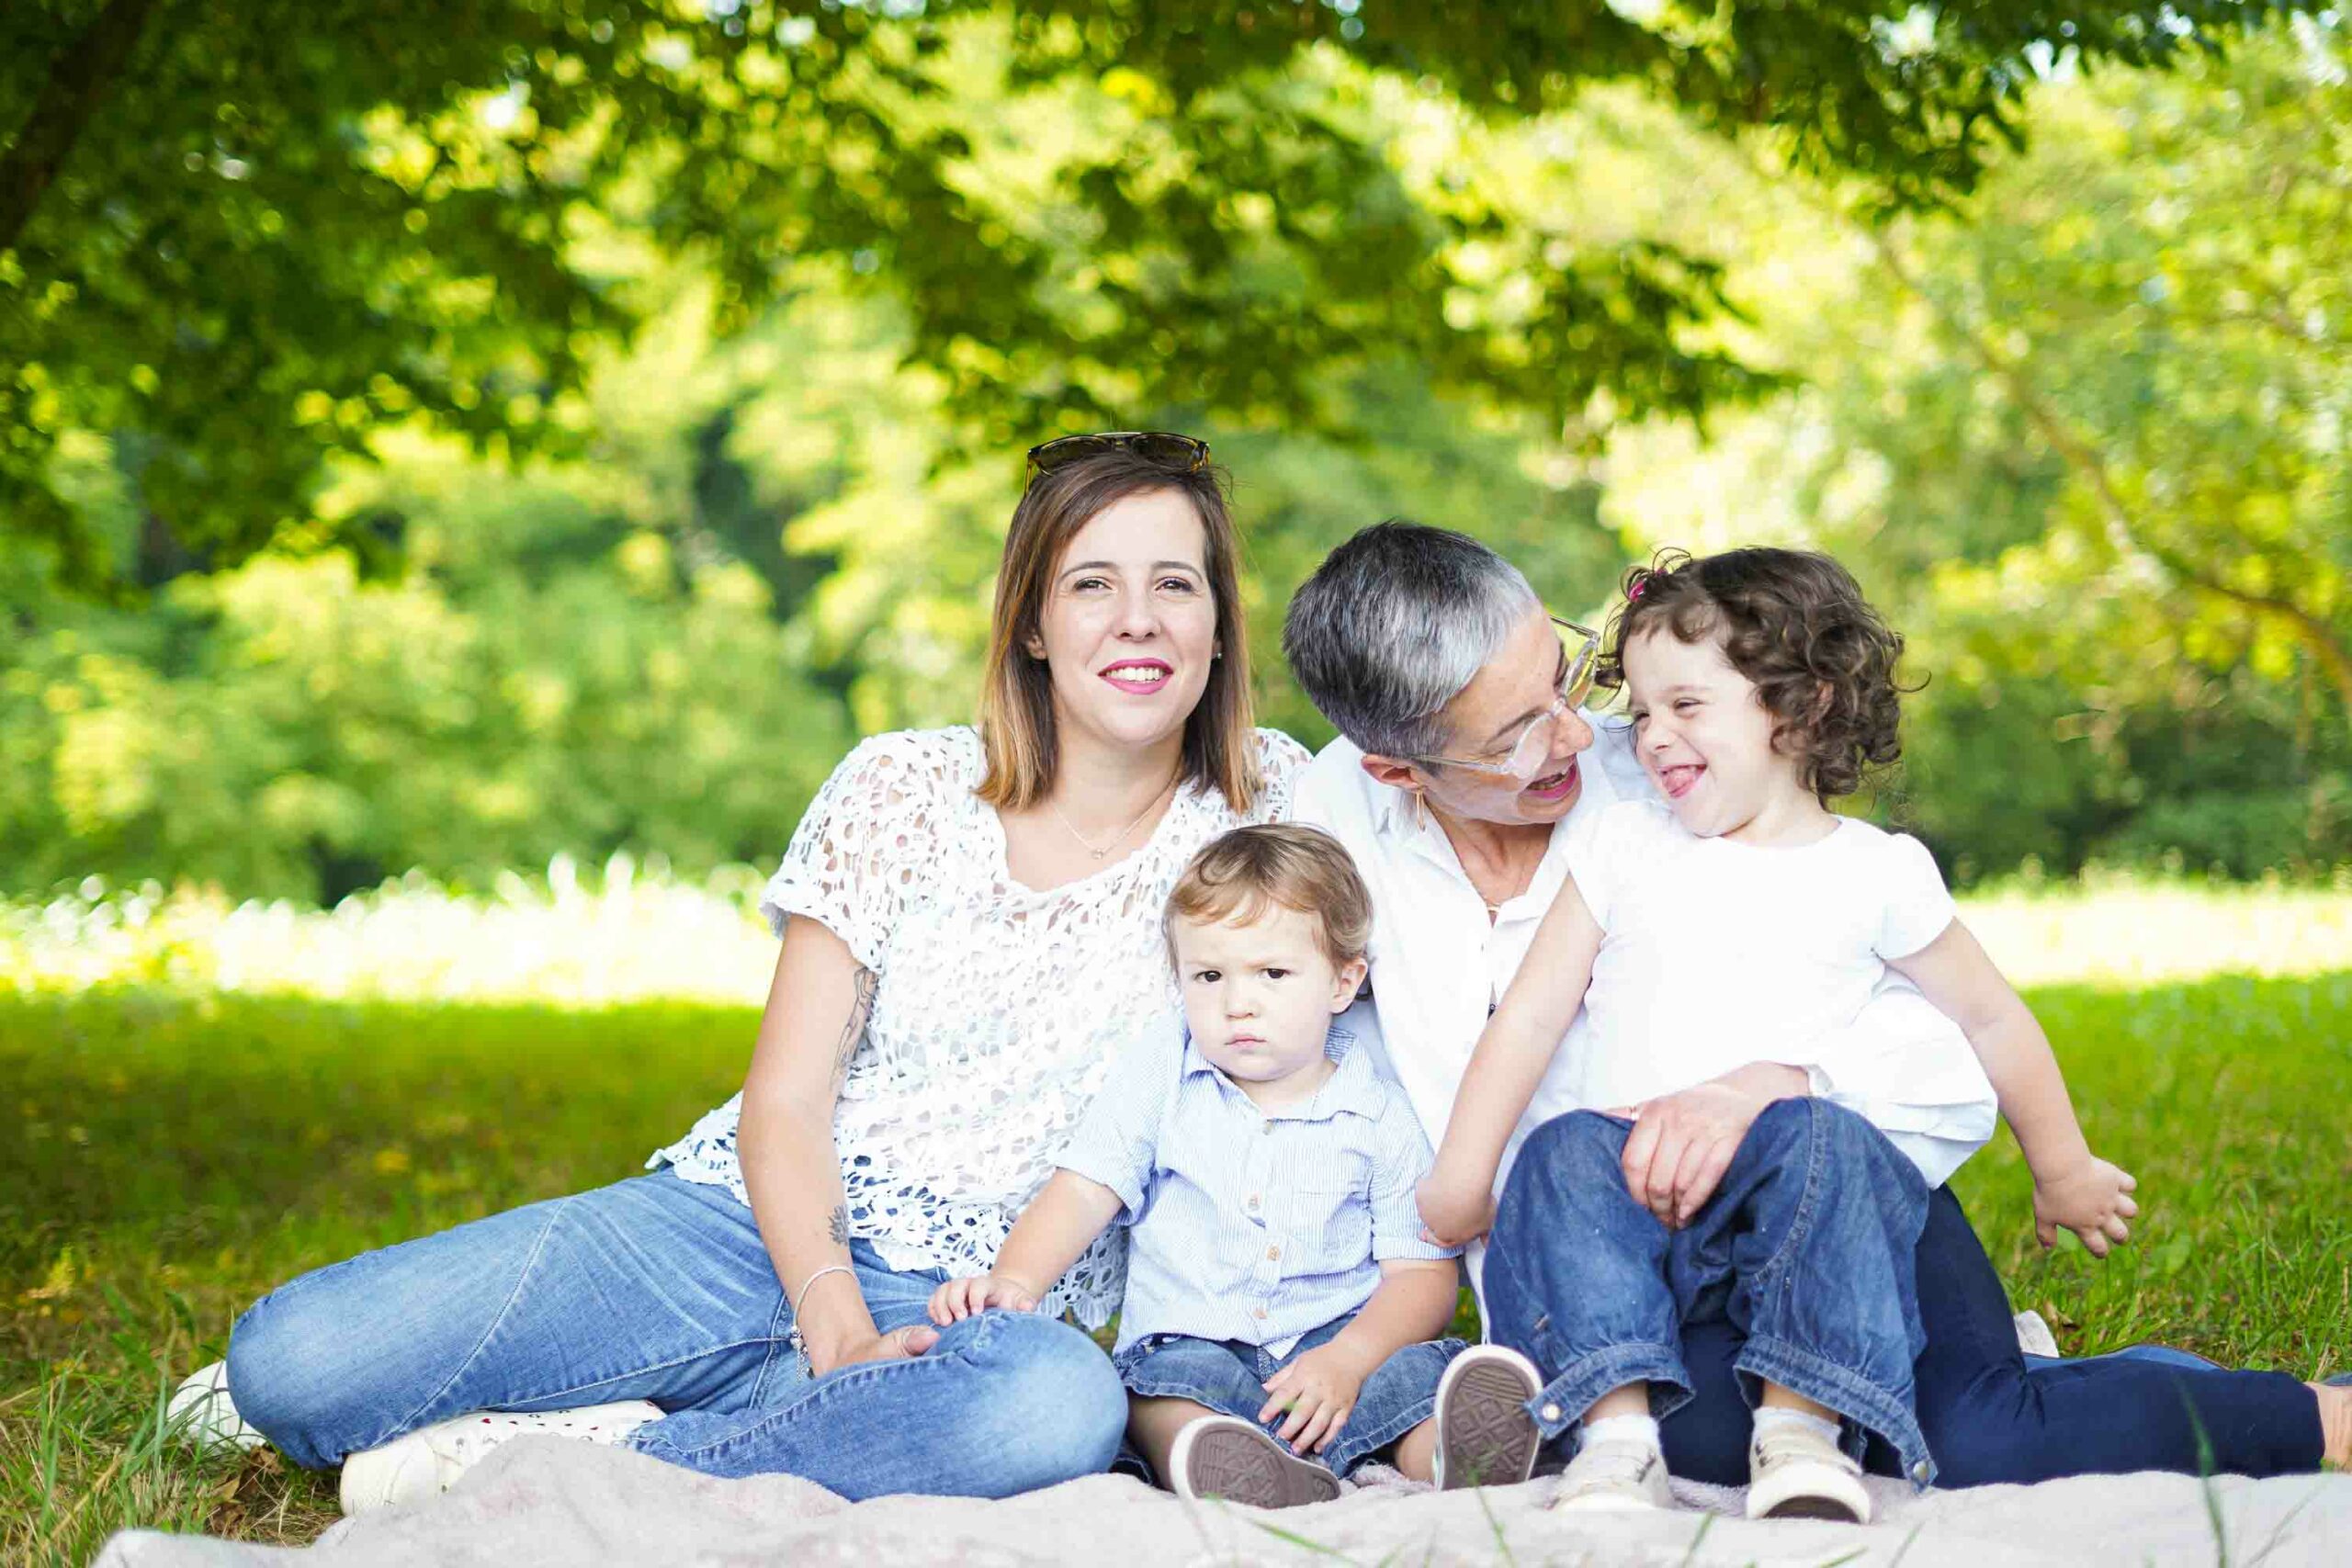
{"x": 1991, "y": 1415}
{"x": 1805, "y": 1249}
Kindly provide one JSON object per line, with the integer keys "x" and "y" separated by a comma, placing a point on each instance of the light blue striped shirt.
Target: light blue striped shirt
{"x": 1244, "y": 1225}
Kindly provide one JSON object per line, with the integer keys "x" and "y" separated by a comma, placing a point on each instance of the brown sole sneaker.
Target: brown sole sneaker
{"x": 1813, "y": 1509}
{"x": 1485, "y": 1436}
{"x": 1219, "y": 1456}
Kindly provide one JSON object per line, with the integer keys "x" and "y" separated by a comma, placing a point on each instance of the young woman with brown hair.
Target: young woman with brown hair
{"x": 970, "y": 923}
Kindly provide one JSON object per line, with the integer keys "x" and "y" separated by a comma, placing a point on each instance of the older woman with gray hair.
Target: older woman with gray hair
{"x": 1465, "y": 759}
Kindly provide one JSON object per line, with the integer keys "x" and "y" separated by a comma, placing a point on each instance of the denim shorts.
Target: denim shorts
{"x": 1229, "y": 1377}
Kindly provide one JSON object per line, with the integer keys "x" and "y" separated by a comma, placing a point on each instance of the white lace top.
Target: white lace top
{"x": 997, "y": 1009}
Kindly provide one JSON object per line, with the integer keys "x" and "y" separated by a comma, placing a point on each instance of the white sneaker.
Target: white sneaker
{"x": 1797, "y": 1473}
{"x": 429, "y": 1460}
{"x": 201, "y": 1412}
{"x": 1614, "y": 1477}
{"x": 1485, "y": 1436}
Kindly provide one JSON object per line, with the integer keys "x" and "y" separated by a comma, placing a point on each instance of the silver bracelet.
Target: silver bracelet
{"x": 800, "y": 1344}
{"x": 828, "y": 1268}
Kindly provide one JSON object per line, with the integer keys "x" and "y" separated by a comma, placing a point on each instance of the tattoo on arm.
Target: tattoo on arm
{"x": 837, "y": 1224}
{"x": 861, "y": 1007}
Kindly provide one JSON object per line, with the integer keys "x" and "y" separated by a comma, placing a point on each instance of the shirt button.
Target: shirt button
{"x": 1253, "y": 1200}
{"x": 1267, "y": 1128}
{"x": 1273, "y": 1253}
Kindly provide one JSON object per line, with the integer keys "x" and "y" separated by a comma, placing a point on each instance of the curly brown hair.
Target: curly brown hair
{"x": 1795, "y": 623}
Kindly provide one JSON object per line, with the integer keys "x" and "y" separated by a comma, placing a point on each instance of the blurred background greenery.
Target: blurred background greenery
{"x": 455, "y": 436}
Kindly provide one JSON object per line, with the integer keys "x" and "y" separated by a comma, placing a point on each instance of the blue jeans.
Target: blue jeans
{"x": 659, "y": 1289}
{"x": 1229, "y": 1376}
{"x": 1806, "y": 1248}
{"x": 1994, "y": 1416}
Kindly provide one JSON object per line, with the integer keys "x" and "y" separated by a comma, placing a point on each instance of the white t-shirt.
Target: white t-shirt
{"x": 998, "y": 1007}
{"x": 1715, "y": 953}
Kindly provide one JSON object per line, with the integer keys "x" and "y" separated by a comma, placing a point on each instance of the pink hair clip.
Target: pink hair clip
{"x": 1635, "y": 591}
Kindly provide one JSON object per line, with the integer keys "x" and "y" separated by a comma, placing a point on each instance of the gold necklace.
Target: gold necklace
{"x": 1123, "y": 832}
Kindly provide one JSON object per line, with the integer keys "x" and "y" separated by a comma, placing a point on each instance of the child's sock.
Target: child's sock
{"x": 1642, "y": 1429}
{"x": 1768, "y": 1417}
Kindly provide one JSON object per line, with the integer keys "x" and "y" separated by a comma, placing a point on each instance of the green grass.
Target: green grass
{"x": 164, "y": 1159}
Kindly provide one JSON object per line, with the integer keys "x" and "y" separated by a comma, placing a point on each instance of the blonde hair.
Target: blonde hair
{"x": 1017, "y": 689}
{"x": 1288, "y": 864}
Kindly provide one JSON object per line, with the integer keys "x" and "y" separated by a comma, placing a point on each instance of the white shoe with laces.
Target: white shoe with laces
{"x": 202, "y": 1413}
{"x": 1614, "y": 1476}
{"x": 1796, "y": 1473}
{"x": 429, "y": 1460}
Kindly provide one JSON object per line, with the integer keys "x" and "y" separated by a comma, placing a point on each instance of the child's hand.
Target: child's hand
{"x": 2092, "y": 1200}
{"x": 1454, "y": 1213}
{"x": 959, "y": 1299}
{"x": 1318, "y": 1390}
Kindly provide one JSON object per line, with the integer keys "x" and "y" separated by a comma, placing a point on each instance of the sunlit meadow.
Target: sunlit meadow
{"x": 201, "y": 1099}
{"x": 575, "y": 938}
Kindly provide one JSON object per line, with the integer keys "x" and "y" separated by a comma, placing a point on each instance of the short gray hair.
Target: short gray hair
{"x": 1394, "y": 624}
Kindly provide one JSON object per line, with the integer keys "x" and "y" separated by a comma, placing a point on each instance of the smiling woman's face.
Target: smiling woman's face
{"x": 1128, "y": 626}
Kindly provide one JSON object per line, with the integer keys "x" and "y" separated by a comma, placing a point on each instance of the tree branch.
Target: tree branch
{"x": 2122, "y": 527}
{"x": 78, "y": 78}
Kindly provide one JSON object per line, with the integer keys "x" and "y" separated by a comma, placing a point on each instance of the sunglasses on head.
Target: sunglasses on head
{"x": 1182, "y": 453}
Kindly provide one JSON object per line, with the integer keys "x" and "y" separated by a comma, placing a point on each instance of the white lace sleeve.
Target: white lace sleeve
{"x": 1280, "y": 761}
{"x": 851, "y": 857}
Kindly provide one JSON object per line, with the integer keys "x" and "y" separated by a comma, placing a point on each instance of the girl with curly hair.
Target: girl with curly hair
{"x": 1739, "y": 918}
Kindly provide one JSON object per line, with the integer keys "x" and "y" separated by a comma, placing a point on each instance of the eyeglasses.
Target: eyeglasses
{"x": 1183, "y": 452}
{"x": 1580, "y": 656}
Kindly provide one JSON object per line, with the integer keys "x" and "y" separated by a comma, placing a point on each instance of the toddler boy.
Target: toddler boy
{"x": 1282, "y": 1314}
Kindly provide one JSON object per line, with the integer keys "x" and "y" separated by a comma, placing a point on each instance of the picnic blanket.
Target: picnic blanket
{"x": 543, "y": 1502}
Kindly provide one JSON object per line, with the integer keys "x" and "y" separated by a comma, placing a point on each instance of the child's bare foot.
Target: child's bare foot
{"x": 2336, "y": 1420}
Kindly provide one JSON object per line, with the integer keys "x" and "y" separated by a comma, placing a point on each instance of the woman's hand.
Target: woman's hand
{"x": 1318, "y": 1390}
{"x": 959, "y": 1299}
{"x": 1453, "y": 1213}
{"x": 898, "y": 1345}
{"x": 2092, "y": 1199}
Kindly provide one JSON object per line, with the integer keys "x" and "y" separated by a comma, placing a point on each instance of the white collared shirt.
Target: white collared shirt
{"x": 1440, "y": 965}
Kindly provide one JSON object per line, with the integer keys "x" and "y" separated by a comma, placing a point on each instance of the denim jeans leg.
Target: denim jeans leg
{"x": 1400, "y": 1395}
{"x": 1577, "y": 1274}
{"x": 653, "y": 1287}
{"x": 1209, "y": 1372}
{"x": 1993, "y": 1415}
{"x": 1815, "y": 1228}
{"x": 1005, "y": 1403}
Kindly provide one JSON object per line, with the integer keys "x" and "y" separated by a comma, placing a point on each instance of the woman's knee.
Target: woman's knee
{"x": 1062, "y": 1392}
{"x": 289, "y": 1373}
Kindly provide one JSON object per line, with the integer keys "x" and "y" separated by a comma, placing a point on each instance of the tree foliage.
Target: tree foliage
{"x": 2091, "y": 440}
{"x": 236, "y": 239}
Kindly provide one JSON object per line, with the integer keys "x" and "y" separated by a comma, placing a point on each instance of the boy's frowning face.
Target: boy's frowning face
{"x": 1259, "y": 993}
